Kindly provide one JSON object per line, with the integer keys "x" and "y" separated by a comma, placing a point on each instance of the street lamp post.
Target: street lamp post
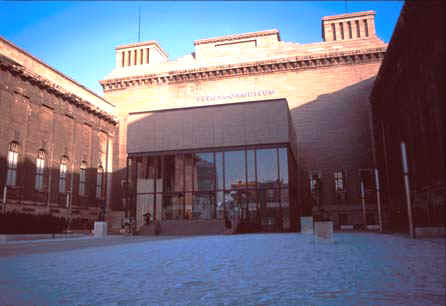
{"x": 5, "y": 196}
{"x": 364, "y": 217}
{"x": 407, "y": 188}
{"x": 69, "y": 210}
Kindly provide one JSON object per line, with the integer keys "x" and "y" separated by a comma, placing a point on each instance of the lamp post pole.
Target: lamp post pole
{"x": 364, "y": 217}
{"x": 68, "y": 205}
{"x": 378, "y": 200}
{"x": 5, "y": 197}
{"x": 407, "y": 188}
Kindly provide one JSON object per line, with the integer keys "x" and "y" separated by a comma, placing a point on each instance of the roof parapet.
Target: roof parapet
{"x": 233, "y": 44}
{"x": 358, "y": 25}
{"x": 142, "y": 53}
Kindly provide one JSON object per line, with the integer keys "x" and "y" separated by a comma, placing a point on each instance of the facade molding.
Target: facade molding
{"x": 349, "y": 15}
{"x": 237, "y": 37}
{"x": 51, "y": 87}
{"x": 259, "y": 67}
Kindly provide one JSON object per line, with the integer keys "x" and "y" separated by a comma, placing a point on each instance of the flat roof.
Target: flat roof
{"x": 238, "y": 36}
{"x": 351, "y": 15}
{"x": 55, "y": 71}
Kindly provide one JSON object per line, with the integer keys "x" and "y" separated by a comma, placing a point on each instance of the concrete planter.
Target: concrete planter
{"x": 323, "y": 231}
{"x": 306, "y": 225}
{"x": 100, "y": 229}
{"x": 347, "y": 227}
{"x": 373, "y": 227}
{"x": 22, "y": 237}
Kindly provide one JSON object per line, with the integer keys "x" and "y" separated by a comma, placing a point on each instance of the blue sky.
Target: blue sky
{"x": 78, "y": 37}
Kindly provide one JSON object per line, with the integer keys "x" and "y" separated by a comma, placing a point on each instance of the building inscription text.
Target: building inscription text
{"x": 237, "y": 95}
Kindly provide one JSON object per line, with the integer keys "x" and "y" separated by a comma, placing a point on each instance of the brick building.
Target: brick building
{"x": 237, "y": 95}
{"x": 55, "y": 140}
{"x": 408, "y": 101}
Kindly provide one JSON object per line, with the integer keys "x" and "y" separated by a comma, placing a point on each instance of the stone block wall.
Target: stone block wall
{"x": 328, "y": 106}
{"x": 37, "y": 115}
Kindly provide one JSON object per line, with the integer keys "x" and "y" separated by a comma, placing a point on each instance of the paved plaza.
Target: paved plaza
{"x": 265, "y": 269}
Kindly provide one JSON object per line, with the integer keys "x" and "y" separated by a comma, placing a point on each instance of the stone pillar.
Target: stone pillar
{"x": 338, "y": 31}
{"x": 362, "y": 28}
{"x": 328, "y": 33}
{"x": 371, "y": 26}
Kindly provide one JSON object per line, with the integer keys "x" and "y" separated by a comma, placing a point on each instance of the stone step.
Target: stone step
{"x": 114, "y": 219}
{"x": 185, "y": 228}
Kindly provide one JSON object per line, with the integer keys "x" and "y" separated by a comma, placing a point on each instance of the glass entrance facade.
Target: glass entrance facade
{"x": 257, "y": 185}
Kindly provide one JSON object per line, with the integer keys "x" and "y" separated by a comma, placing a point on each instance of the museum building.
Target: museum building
{"x": 55, "y": 141}
{"x": 248, "y": 124}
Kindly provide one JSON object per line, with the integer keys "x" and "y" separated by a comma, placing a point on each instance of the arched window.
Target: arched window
{"x": 99, "y": 180}
{"x": 82, "y": 178}
{"x": 63, "y": 174}
{"x": 13, "y": 155}
{"x": 40, "y": 169}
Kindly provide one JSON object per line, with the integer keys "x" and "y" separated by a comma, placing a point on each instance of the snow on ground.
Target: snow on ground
{"x": 276, "y": 269}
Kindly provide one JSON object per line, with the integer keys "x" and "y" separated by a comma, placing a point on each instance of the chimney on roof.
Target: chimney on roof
{"x": 359, "y": 25}
{"x": 142, "y": 53}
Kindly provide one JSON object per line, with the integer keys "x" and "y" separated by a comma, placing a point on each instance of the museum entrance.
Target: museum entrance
{"x": 248, "y": 185}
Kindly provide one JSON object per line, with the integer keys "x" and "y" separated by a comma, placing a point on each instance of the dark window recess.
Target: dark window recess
{"x": 333, "y": 29}
{"x": 349, "y": 24}
{"x": 366, "y": 28}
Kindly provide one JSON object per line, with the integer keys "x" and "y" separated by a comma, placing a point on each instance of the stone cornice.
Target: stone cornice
{"x": 236, "y": 37}
{"x": 51, "y": 87}
{"x": 259, "y": 67}
{"x": 59, "y": 74}
{"x": 351, "y": 15}
{"x": 142, "y": 44}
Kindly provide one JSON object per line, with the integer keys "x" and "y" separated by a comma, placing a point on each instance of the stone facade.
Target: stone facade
{"x": 54, "y": 126}
{"x": 326, "y": 84}
{"x": 408, "y": 101}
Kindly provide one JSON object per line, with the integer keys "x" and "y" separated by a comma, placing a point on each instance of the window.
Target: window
{"x": 339, "y": 185}
{"x": 315, "y": 180}
{"x": 339, "y": 180}
{"x": 99, "y": 180}
{"x": 13, "y": 155}
{"x": 40, "y": 169}
{"x": 82, "y": 178}
{"x": 315, "y": 187}
{"x": 63, "y": 175}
